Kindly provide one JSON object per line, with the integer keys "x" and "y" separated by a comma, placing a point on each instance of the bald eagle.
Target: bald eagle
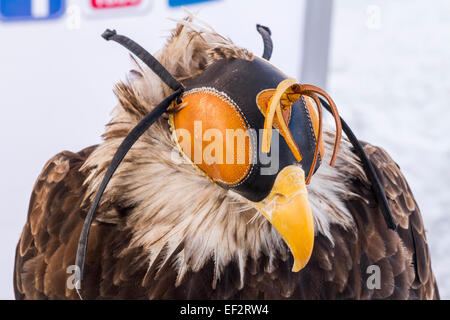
{"x": 165, "y": 231}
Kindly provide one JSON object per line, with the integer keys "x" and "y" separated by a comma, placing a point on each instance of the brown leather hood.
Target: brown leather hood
{"x": 233, "y": 94}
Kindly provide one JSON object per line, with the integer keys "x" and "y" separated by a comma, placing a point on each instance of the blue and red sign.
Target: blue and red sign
{"x": 22, "y": 10}
{"x": 177, "y": 3}
{"x": 115, "y": 8}
{"x": 108, "y": 4}
{"x": 12, "y": 10}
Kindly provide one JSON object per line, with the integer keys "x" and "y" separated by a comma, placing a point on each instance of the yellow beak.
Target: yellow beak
{"x": 287, "y": 209}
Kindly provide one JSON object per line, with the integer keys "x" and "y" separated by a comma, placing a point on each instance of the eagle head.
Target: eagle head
{"x": 231, "y": 171}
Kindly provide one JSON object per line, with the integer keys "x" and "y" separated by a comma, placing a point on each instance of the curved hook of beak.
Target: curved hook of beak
{"x": 287, "y": 209}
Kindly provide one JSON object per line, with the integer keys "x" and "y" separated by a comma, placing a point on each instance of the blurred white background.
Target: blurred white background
{"x": 390, "y": 76}
{"x": 388, "y": 73}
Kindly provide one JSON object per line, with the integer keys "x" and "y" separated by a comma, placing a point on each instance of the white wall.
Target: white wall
{"x": 56, "y": 87}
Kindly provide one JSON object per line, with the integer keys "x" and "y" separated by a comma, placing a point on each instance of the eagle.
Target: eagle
{"x": 165, "y": 230}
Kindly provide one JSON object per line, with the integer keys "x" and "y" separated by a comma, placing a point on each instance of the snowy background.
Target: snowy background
{"x": 389, "y": 75}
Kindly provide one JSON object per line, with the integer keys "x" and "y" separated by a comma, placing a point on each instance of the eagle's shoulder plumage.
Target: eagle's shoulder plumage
{"x": 409, "y": 238}
{"x": 49, "y": 240}
{"x": 52, "y": 225}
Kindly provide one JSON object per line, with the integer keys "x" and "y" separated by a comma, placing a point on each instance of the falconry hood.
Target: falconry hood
{"x": 247, "y": 127}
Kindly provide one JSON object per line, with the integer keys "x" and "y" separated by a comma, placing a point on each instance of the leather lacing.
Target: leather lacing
{"x": 286, "y": 94}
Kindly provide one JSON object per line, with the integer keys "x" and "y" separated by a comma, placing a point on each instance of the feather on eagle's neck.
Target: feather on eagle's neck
{"x": 172, "y": 203}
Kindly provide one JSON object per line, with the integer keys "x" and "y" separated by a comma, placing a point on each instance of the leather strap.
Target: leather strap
{"x": 273, "y": 109}
{"x": 312, "y": 91}
{"x": 145, "y": 56}
{"x": 131, "y": 138}
{"x": 370, "y": 171}
{"x": 268, "y": 44}
{"x": 123, "y": 149}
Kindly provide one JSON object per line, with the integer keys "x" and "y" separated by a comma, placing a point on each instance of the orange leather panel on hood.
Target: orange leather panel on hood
{"x": 212, "y": 134}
